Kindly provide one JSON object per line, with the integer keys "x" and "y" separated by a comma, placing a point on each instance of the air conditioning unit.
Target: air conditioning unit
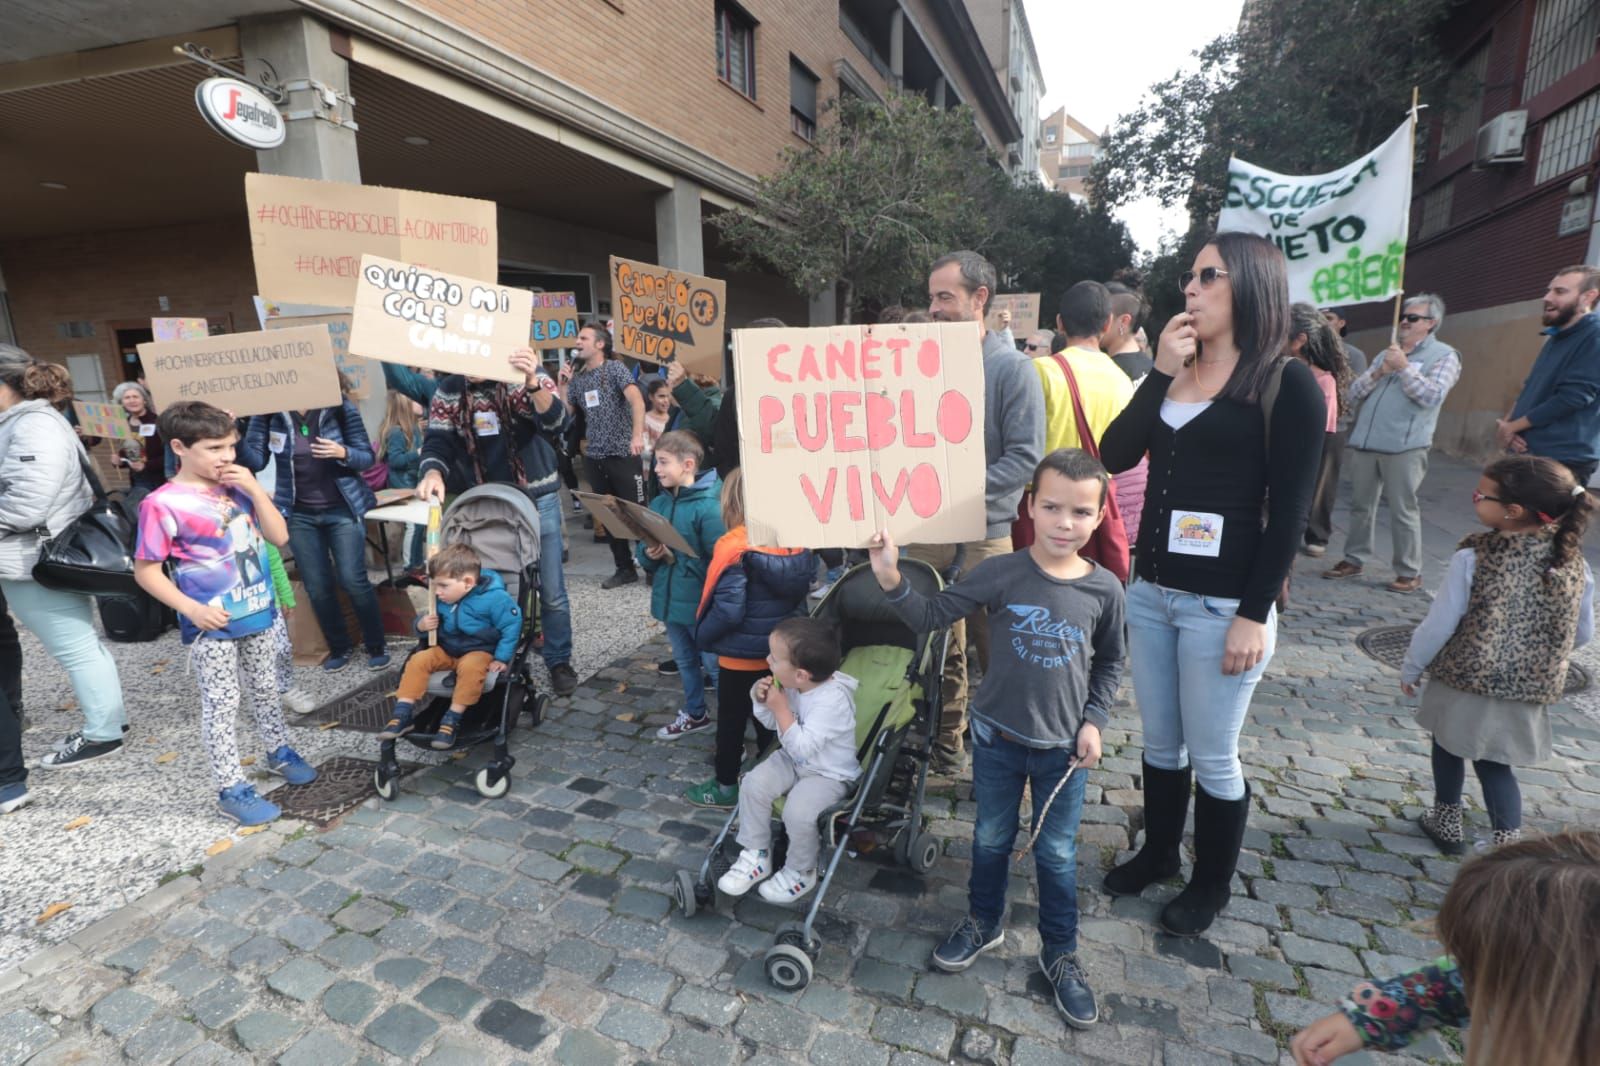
{"x": 1500, "y": 140}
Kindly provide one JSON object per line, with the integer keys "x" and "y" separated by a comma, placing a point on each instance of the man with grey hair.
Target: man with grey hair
{"x": 1400, "y": 395}
{"x": 959, "y": 287}
{"x": 1037, "y": 346}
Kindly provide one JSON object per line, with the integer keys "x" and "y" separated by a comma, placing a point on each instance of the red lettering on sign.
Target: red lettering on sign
{"x": 897, "y": 347}
{"x": 821, "y": 505}
{"x": 955, "y": 417}
{"x": 842, "y": 361}
{"x": 770, "y": 413}
{"x": 926, "y": 495}
{"x": 880, "y": 421}
{"x": 772, "y": 363}
{"x": 928, "y": 358}
{"x": 809, "y": 369}
{"x": 869, "y": 358}
{"x": 811, "y": 439}
{"x": 890, "y": 501}
{"x": 908, "y": 422}
{"x": 840, "y": 404}
{"x": 853, "y": 495}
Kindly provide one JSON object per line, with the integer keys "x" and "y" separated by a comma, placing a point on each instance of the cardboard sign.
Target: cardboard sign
{"x": 664, "y": 315}
{"x": 246, "y": 373}
{"x": 179, "y": 329}
{"x": 103, "y": 420}
{"x": 632, "y": 521}
{"x": 445, "y": 322}
{"x": 1024, "y": 308}
{"x": 308, "y": 236}
{"x": 555, "y": 320}
{"x": 847, "y": 429}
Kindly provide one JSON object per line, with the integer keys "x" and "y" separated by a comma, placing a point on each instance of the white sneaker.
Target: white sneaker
{"x": 297, "y": 702}
{"x": 786, "y": 886}
{"x": 750, "y": 868}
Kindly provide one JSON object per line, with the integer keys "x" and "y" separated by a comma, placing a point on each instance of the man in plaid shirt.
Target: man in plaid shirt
{"x": 1400, "y": 395}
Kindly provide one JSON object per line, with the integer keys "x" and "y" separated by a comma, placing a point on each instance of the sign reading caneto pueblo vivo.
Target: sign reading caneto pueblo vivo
{"x": 849, "y": 429}
{"x": 664, "y": 315}
{"x": 416, "y": 317}
{"x": 246, "y": 373}
{"x": 308, "y": 236}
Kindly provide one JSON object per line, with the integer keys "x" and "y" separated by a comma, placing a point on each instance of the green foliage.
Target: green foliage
{"x": 888, "y": 188}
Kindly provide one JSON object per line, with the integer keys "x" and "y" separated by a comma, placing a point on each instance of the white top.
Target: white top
{"x": 1450, "y": 606}
{"x": 1178, "y": 414}
{"x": 822, "y": 740}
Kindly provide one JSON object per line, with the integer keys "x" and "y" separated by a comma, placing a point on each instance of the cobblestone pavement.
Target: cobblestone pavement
{"x": 444, "y": 928}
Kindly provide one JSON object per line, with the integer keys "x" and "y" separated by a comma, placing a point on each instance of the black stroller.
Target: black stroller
{"x": 897, "y": 713}
{"x": 501, "y": 524}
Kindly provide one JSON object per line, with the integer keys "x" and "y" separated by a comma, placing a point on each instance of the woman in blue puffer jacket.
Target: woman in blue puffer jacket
{"x": 748, "y": 591}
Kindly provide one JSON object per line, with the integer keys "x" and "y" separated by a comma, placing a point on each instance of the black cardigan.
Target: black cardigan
{"x": 1217, "y": 466}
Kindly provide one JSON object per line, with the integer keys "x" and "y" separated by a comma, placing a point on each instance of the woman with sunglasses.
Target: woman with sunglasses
{"x": 1201, "y": 623}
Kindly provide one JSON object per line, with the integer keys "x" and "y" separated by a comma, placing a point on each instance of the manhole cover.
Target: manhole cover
{"x": 1388, "y": 645}
{"x": 364, "y": 709}
{"x": 342, "y": 782}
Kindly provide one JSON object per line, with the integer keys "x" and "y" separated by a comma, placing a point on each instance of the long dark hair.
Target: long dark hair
{"x": 1323, "y": 348}
{"x": 1260, "y": 284}
{"x": 1547, "y": 490}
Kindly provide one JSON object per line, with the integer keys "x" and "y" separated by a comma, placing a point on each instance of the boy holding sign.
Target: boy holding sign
{"x": 1038, "y": 713}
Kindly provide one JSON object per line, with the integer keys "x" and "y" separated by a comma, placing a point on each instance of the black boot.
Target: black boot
{"x": 1166, "y": 804}
{"x": 1218, "y": 833}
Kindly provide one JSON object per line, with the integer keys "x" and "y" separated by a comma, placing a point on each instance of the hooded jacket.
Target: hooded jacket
{"x": 42, "y": 487}
{"x": 695, "y": 511}
{"x": 748, "y": 592}
{"x": 340, "y": 424}
{"x": 485, "y": 619}
{"x": 822, "y": 740}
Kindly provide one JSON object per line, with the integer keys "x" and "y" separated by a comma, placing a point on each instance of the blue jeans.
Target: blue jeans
{"x": 1192, "y": 712}
{"x": 1000, "y": 768}
{"x": 330, "y": 545}
{"x": 555, "y": 617}
{"x": 693, "y": 665}
{"x": 64, "y": 624}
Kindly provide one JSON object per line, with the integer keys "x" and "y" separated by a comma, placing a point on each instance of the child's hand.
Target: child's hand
{"x": 207, "y": 618}
{"x": 235, "y": 476}
{"x": 777, "y": 702}
{"x": 762, "y": 689}
{"x": 1325, "y": 1040}
{"x": 1088, "y": 745}
{"x": 496, "y": 667}
{"x": 660, "y": 553}
{"x": 885, "y": 559}
{"x": 428, "y": 622}
{"x": 1408, "y": 688}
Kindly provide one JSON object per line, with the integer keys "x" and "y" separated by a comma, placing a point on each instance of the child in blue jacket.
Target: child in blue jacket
{"x": 691, "y": 501}
{"x": 478, "y": 624}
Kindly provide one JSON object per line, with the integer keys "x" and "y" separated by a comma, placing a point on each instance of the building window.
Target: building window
{"x": 1083, "y": 150}
{"x": 1074, "y": 170}
{"x": 736, "y": 48}
{"x": 1466, "y": 89}
{"x": 802, "y": 99}
{"x": 1568, "y": 139}
{"x": 1436, "y": 204}
{"x": 1049, "y": 135}
{"x": 1564, "y": 38}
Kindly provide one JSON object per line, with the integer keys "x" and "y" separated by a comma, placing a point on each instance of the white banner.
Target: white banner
{"x": 1343, "y": 233}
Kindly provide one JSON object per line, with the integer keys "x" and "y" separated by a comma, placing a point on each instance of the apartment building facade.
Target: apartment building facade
{"x": 1068, "y": 150}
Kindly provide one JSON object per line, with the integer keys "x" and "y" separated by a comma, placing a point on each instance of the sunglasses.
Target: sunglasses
{"x": 1479, "y": 497}
{"x": 1416, "y": 318}
{"x": 1208, "y": 277}
{"x": 1033, "y": 347}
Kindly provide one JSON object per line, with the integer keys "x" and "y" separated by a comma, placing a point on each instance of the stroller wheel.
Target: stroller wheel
{"x": 384, "y": 785}
{"x": 794, "y": 934}
{"x": 924, "y": 852}
{"x": 492, "y": 784}
{"x": 683, "y": 891}
{"x": 788, "y": 968}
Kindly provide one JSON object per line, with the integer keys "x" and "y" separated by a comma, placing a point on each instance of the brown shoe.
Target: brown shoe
{"x": 1406, "y": 584}
{"x": 1342, "y": 569}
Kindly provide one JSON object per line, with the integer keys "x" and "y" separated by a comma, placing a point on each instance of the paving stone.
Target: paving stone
{"x": 122, "y": 1011}
{"x": 302, "y": 979}
{"x": 919, "y": 1031}
{"x": 642, "y": 1028}
{"x": 845, "y": 1049}
{"x": 642, "y": 904}
{"x": 1283, "y": 895}
{"x": 1294, "y": 1011}
{"x": 508, "y": 1022}
{"x": 695, "y": 1048}
{"x": 955, "y": 993}
{"x": 23, "y": 1035}
{"x": 880, "y": 977}
{"x": 263, "y": 1031}
{"x": 405, "y": 934}
{"x": 448, "y": 995}
{"x": 318, "y": 1048}
{"x": 401, "y": 1030}
{"x": 1263, "y": 971}
{"x": 1195, "y": 951}
{"x": 642, "y": 981}
{"x": 451, "y": 1053}
{"x": 1326, "y": 927}
{"x": 135, "y": 956}
{"x": 401, "y": 972}
{"x": 626, "y": 934}
{"x": 775, "y": 1025}
{"x": 1240, "y": 1042}
{"x": 349, "y": 1002}
{"x": 206, "y": 1054}
{"x": 594, "y": 859}
{"x": 708, "y": 1007}
{"x": 578, "y": 1048}
{"x": 510, "y": 974}
{"x": 364, "y": 916}
{"x": 1145, "y": 1012}
{"x": 261, "y": 952}
{"x": 581, "y": 957}
{"x": 220, "y": 1004}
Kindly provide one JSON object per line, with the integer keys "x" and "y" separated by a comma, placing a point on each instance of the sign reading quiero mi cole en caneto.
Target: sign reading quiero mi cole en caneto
{"x": 445, "y": 322}
{"x": 1343, "y": 233}
{"x": 308, "y": 236}
{"x": 662, "y": 315}
{"x": 847, "y": 429}
{"x": 246, "y": 373}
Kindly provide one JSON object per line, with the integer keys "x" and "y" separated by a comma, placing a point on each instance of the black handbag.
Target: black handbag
{"x": 93, "y": 555}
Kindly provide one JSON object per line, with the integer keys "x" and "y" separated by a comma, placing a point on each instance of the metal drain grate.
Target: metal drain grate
{"x": 364, "y": 709}
{"x": 1388, "y": 645}
{"x": 342, "y": 783}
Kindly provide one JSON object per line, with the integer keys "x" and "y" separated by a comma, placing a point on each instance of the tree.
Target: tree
{"x": 888, "y": 188}
{"x": 1070, "y": 242}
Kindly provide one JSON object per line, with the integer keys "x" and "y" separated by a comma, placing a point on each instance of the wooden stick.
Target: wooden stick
{"x": 434, "y": 521}
{"x": 1399, "y": 297}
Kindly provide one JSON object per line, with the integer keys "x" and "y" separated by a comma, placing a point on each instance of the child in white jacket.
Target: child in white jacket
{"x": 814, "y": 713}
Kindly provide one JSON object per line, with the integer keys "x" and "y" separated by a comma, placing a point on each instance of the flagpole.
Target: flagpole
{"x": 1399, "y": 297}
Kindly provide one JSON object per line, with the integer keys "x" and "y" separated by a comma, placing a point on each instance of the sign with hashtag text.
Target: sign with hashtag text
{"x": 308, "y": 236}
{"x": 246, "y": 373}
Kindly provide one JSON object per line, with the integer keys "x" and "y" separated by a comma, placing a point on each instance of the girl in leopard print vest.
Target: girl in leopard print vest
{"x": 1515, "y": 602}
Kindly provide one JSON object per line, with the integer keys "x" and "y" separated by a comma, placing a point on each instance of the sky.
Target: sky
{"x": 1099, "y": 59}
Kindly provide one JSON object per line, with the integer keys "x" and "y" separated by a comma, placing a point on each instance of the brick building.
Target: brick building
{"x": 596, "y": 126}
{"x": 1003, "y": 27}
{"x": 1068, "y": 151}
{"x": 1504, "y": 195}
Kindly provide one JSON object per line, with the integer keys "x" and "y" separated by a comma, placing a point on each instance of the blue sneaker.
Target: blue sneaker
{"x": 14, "y": 796}
{"x": 243, "y": 805}
{"x": 335, "y": 663}
{"x": 378, "y": 661}
{"x": 287, "y": 764}
{"x": 965, "y": 943}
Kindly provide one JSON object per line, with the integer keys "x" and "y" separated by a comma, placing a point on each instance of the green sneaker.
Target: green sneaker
{"x": 711, "y": 794}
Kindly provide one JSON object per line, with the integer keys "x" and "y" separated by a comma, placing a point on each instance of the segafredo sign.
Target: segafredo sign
{"x": 240, "y": 112}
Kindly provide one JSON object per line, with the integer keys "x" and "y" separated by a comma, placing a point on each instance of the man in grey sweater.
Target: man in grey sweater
{"x": 959, "y": 287}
